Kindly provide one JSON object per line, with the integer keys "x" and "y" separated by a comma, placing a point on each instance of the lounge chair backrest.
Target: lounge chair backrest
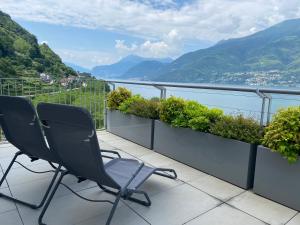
{"x": 21, "y": 126}
{"x": 71, "y": 134}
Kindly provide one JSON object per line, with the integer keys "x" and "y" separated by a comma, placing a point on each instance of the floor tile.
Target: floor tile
{"x": 216, "y": 187}
{"x": 6, "y": 205}
{"x": 21, "y": 175}
{"x": 157, "y": 160}
{"x": 122, "y": 216}
{"x": 131, "y": 148}
{"x": 10, "y": 218}
{"x": 295, "y": 220}
{"x": 261, "y": 208}
{"x": 225, "y": 215}
{"x": 108, "y": 137}
{"x": 186, "y": 173}
{"x": 176, "y": 206}
{"x": 23, "y": 159}
{"x": 7, "y": 150}
{"x": 106, "y": 146}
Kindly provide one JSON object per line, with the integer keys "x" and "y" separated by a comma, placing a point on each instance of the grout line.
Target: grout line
{"x": 206, "y": 193}
{"x": 125, "y": 203}
{"x": 292, "y": 218}
{"x": 218, "y": 205}
{"x": 244, "y": 191}
{"x": 247, "y": 213}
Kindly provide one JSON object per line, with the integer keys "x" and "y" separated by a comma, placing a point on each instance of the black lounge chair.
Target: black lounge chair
{"x": 71, "y": 134}
{"x": 21, "y": 127}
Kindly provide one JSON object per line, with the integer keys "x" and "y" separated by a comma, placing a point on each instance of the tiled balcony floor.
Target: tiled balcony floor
{"x": 194, "y": 199}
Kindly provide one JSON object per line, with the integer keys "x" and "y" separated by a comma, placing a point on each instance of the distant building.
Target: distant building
{"x": 46, "y": 78}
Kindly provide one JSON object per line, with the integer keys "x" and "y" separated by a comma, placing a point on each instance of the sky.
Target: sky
{"x": 98, "y": 32}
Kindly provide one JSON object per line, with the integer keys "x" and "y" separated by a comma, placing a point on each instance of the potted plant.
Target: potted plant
{"x": 221, "y": 145}
{"x": 277, "y": 171}
{"x": 131, "y": 116}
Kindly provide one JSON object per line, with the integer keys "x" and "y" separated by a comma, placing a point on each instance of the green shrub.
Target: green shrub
{"x": 181, "y": 113}
{"x": 170, "y": 109}
{"x": 192, "y": 109}
{"x": 140, "y": 106}
{"x": 282, "y": 135}
{"x": 238, "y": 128}
{"x": 205, "y": 119}
{"x": 117, "y": 97}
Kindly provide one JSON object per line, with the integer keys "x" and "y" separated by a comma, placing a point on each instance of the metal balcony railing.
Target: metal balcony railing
{"x": 258, "y": 102}
{"x": 85, "y": 92}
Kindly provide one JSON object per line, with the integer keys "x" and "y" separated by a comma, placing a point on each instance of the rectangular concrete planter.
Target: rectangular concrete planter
{"x": 276, "y": 179}
{"x": 227, "y": 159}
{"x": 136, "y": 129}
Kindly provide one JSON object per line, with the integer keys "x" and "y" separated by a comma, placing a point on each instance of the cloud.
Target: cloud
{"x": 120, "y": 45}
{"x": 44, "y": 42}
{"x": 165, "y": 25}
{"x": 86, "y": 58}
{"x": 168, "y": 46}
{"x": 198, "y": 19}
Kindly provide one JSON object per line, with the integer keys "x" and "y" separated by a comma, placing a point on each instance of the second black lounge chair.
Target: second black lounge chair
{"x": 71, "y": 134}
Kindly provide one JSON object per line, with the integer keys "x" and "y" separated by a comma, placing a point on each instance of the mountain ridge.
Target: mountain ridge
{"x": 116, "y": 70}
{"x": 276, "y": 48}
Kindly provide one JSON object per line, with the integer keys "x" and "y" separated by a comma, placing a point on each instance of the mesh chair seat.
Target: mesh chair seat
{"x": 121, "y": 170}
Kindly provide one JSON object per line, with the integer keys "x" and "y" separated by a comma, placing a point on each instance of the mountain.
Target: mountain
{"x": 274, "y": 51}
{"x": 22, "y": 56}
{"x": 145, "y": 70}
{"x": 78, "y": 68}
{"x": 121, "y": 67}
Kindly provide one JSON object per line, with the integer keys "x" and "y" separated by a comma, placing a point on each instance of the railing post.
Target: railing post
{"x": 264, "y": 96}
{"x": 163, "y": 91}
{"x": 113, "y": 85}
{"x": 269, "y": 108}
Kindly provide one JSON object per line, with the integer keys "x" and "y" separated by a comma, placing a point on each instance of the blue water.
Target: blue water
{"x": 248, "y": 104}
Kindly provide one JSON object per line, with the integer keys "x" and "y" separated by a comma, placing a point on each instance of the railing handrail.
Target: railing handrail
{"x": 209, "y": 87}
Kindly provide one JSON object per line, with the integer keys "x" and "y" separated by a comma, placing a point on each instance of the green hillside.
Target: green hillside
{"x": 274, "y": 49}
{"x": 22, "y": 56}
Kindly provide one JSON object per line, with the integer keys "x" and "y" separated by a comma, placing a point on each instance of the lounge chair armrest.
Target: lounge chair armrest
{"x": 112, "y": 152}
{"x": 133, "y": 176}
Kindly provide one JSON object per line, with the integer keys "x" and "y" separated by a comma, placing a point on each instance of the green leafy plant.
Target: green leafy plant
{"x": 282, "y": 135}
{"x": 182, "y": 113}
{"x": 238, "y": 128}
{"x": 170, "y": 109}
{"x": 117, "y": 97}
{"x": 140, "y": 106}
{"x": 191, "y": 110}
{"x": 204, "y": 120}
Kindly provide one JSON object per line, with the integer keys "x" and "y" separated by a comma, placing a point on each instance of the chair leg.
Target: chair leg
{"x": 158, "y": 170}
{"x": 141, "y": 202}
{"x": 113, "y": 208}
{"x": 33, "y": 206}
{"x": 9, "y": 167}
{"x": 40, "y": 220}
{"x": 128, "y": 196}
